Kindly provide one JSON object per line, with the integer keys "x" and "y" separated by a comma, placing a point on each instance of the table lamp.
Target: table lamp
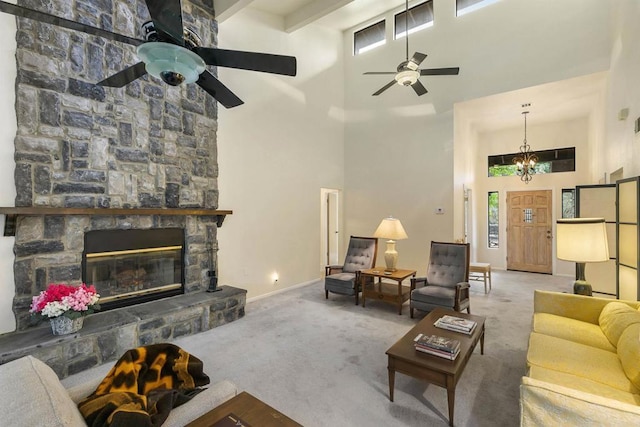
{"x": 390, "y": 228}
{"x": 582, "y": 240}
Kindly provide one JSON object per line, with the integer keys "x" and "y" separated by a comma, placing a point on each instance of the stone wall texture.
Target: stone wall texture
{"x": 146, "y": 145}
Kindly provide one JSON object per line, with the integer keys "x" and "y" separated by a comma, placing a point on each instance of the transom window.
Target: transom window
{"x": 419, "y": 17}
{"x": 549, "y": 161}
{"x": 369, "y": 38}
{"x": 466, "y": 6}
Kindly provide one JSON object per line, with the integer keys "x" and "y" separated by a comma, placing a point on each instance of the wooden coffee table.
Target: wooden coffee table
{"x": 393, "y": 293}
{"x": 404, "y": 358}
{"x": 249, "y": 409}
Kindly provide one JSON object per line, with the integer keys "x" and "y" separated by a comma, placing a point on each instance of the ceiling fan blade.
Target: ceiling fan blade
{"x": 385, "y": 87}
{"x": 380, "y": 72}
{"x": 440, "y": 71}
{"x": 24, "y": 12}
{"x": 419, "y": 88}
{"x": 254, "y": 61}
{"x": 125, "y": 76}
{"x": 167, "y": 18}
{"x": 418, "y": 57}
{"x": 220, "y": 92}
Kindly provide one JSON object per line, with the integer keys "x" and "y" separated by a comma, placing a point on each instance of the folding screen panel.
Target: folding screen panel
{"x": 599, "y": 201}
{"x": 627, "y": 233}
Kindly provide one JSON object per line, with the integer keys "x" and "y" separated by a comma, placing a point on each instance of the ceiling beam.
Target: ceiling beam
{"x": 311, "y": 12}
{"x": 225, "y": 9}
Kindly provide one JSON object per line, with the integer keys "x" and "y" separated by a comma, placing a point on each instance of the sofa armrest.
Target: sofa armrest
{"x": 201, "y": 403}
{"x": 80, "y": 391}
{"x": 578, "y": 307}
{"x": 542, "y": 403}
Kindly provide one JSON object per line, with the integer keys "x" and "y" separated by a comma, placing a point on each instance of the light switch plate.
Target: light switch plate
{"x": 439, "y": 211}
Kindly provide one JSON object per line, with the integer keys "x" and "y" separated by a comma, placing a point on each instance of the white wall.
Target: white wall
{"x": 622, "y": 143}
{"x": 399, "y": 150}
{"x": 276, "y": 152}
{"x": 7, "y": 165}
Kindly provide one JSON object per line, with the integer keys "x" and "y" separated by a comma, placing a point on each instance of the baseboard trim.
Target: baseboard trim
{"x": 279, "y": 291}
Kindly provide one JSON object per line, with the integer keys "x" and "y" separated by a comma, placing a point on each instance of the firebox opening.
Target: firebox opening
{"x": 134, "y": 266}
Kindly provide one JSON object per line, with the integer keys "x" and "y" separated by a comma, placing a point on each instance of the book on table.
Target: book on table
{"x": 456, "y": 324}
{"x": 437, "y": 345}
{"x": 439, "y": 353}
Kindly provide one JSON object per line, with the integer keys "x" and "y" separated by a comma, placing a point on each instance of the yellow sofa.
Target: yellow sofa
{"x": 583, "y": 362}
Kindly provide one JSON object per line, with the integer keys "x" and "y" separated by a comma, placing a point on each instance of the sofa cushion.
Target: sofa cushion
{"x": 629, "y": 353}
{"x": 578, "y": 359}
{"x": 572, "y": 330}
{"x": 583, "y": 384}
{"x": 32, "y": 395}
{"x": 615, "y": 318}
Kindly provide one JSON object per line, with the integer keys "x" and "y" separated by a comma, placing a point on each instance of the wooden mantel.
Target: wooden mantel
{"x": 11, "y": 213}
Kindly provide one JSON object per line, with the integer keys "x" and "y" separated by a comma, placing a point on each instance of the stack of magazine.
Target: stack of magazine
{"x": 456, "y": 324}
{"x": 447, "y": 348}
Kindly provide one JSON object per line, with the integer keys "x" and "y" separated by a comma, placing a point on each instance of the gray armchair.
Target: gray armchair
{"x": 447, "y": 281}
{"x": 342, "y": 279}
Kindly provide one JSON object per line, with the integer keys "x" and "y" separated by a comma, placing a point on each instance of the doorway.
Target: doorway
{"x": 529, "y": 231}
{"x": 329, "y": 226}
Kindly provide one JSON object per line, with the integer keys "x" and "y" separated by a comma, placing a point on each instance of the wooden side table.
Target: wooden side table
{"x": 388, "y": 292}
{"x": 249, "y": 409}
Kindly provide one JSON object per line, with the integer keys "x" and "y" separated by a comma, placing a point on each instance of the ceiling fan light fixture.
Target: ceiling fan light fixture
{"x": 171, "y": 63}
{"x": 407, "y": 77}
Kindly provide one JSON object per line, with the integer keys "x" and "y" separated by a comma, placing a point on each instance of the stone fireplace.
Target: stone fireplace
{"x": 91, "y": 159}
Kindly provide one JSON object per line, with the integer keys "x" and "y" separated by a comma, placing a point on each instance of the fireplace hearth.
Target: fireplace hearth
{"x": 130, "y": 267}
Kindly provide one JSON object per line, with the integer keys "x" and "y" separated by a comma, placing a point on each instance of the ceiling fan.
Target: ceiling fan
{"x": 171, "y": 51}
{"x": 408, "y": 72}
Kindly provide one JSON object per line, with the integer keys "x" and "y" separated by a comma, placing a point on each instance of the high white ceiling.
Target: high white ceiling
{"x": 338, "y": 14}
{"x": 557, "y": 101}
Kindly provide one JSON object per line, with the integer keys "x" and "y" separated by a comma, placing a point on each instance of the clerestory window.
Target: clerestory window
{"x": 369, "y": 38}
{"x": 419, "y": 18}
{"x": 466, "y": 6}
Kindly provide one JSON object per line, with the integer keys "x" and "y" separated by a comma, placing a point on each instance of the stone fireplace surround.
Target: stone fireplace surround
{"x": 79, "y": 145}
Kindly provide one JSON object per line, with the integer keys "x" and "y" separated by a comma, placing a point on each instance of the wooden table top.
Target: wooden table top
{"x": 404, "y": 349}
{"x": 249, "y": 409}
{"x": 395, "y": 275}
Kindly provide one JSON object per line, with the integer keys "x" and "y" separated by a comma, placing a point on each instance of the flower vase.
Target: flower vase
{"x": 62, "y": 325}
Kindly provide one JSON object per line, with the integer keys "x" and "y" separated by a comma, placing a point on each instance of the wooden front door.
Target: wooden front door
{"x": 529, "y": 231}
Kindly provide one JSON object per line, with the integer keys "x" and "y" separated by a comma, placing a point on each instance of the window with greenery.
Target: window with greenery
{"x": 466, "y": 6}
{"x": 568, "y": 203}
{"x": 369, "y": 38}
{"x": 419, "y": 17}
{"x": 549, "y": 161}
{"x": 493, "y": 223}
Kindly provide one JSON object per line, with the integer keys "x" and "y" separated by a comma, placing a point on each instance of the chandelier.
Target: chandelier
{"x": 525, "y": 160}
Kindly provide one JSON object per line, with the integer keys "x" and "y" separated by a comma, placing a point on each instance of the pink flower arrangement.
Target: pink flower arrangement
{"x": 65, "y": 300}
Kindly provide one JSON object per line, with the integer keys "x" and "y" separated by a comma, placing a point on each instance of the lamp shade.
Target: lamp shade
{"x": 390, "y": 228}
{"x": 582, "y": 240}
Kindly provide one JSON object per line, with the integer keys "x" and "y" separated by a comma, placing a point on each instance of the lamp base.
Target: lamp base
{"x": 581, "y": 287}
{"x": 391, "y": 256}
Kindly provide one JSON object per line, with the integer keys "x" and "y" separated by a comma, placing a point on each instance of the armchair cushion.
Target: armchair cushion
{"x": 360, "y": 255}
{"x": 341, "y": 283}
{"x": 446, "y": 283}
{"x": 437, "y": 295}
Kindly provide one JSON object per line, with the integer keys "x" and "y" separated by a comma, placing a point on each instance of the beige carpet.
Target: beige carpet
{"x": 323, "y": 363}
